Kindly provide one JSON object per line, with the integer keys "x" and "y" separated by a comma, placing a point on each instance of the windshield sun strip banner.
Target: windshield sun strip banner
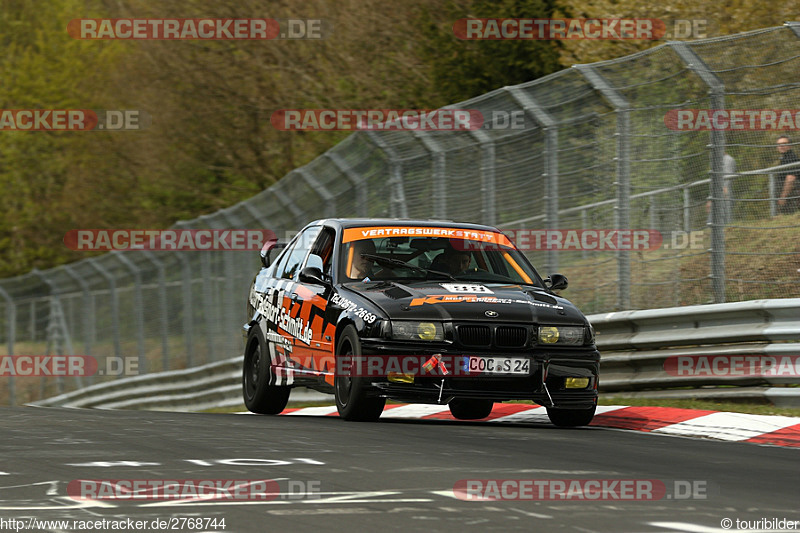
{"x": 376, "y": 232}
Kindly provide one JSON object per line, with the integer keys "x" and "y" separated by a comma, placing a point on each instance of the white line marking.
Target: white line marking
{"x": 528, "y": 513}
{"x": 314, "y": 411}
{"x": 729, "y": 426}
{"x": 689, "y": 528}
{"x": 414, "y": 411}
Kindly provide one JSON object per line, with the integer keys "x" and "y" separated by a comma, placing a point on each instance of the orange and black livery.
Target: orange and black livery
{"x": 417, "y": 311}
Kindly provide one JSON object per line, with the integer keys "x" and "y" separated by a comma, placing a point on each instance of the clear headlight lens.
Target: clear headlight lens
{"x": 567, "y": 335}
{"x": 418, "y": 331}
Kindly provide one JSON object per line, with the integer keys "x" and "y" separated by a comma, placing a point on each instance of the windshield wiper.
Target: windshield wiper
{"x": 397, "y": 262}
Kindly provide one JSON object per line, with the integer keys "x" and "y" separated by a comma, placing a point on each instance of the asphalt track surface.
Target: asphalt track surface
{"x": 393, "y": 475}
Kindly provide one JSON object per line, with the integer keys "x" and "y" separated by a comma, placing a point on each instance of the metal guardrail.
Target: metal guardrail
{"x": 635, "y": 346}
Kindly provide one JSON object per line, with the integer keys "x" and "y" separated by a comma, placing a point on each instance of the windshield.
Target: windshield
{"x": 377, "y": 254}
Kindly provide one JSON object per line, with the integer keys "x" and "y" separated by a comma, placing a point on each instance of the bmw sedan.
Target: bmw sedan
{"x": 416, "y": 311}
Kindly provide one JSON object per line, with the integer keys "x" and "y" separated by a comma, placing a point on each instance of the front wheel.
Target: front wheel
{"x": 351, "y": 392}
{"x": 259, "y": 396}
{"x": 570, "y": 417}
{"x": 469, "y": 409}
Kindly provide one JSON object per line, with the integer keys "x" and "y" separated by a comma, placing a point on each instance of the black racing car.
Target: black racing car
{"x": 417, "y": 311}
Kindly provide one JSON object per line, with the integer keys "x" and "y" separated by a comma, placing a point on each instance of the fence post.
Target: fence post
{"x": 57, "y": 313}
{"x": 687, "y": 222}
{"x": 288, "y": 203}
{"x": 358, "y": 181}
{"x": 162, "y": 307}
{"x": 188, "y": 322}
{"x": 138, "y": 312}
{"x": 717, "y": 91}
{"x": 622, "y": 208}
{"x": 550, "y": 128}
{"x": 231, "y": 285}
{"x": 32, "y": 321}
{"x": 773, "y": 200}
{"x": 584, "y": 223}
{"x": 397, "y": 194}
{"x": 112, "y": 287}
{"x": 488, "y": 205}
{"x": 11, "y": 329}
{"x": 653, "y": 215}
{"x": 328, "y": 199}
{"x": 256, "y": 214}
{"x": 439, "y": 170}
{"x": 210, "y": 310}
{"x": 88, "y": 313}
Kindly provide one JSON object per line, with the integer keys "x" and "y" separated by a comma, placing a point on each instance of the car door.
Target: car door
{"x": 293, "y": 327}
{"x": 275, "y": 299}
{"x": 316, "y": 346}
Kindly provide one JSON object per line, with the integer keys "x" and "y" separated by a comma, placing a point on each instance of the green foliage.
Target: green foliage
{"x": 43, "y": 68}
{"x": 463, "y": 69}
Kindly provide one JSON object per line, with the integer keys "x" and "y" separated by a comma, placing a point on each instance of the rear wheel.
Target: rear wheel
{"x": 570, "y": 417}
{"x": 259, "y": 396}
{"x": 468, "y": 409}
{"x": 351, "y": 392}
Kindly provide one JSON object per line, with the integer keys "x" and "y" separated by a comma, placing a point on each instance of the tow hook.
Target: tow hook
{"x": 545, "y": 365}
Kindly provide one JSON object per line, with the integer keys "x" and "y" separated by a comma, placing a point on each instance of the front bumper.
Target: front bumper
{"x": 545, "y": 384}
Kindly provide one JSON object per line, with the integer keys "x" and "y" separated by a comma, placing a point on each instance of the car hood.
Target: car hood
{"x": 466, "y": 301}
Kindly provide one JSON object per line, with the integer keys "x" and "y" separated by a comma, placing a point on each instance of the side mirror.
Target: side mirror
{"x": 556, "y": 282}
{"x": 312, "y": 274}
{"x": 270, "y": 251}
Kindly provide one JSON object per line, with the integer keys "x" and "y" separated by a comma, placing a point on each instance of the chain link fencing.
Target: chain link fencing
{"x": 595, "y": 152}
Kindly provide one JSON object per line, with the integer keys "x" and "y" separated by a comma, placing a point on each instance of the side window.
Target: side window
{"x": 276, "y": 268}
{"x": 298, "y": 253}
{"x": 324, "y": 249}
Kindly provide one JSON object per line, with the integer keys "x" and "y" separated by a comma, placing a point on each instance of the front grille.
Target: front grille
{"x": 474, "y": 335}
{"x": 504, "y": 337}
{"x": 510, "y": 337}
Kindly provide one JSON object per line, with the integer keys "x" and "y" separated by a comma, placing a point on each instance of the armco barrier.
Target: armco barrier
{"x": 634, "y": 345}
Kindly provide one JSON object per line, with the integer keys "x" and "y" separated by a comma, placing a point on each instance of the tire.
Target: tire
{"x": 352, "y": 400}
{"x": 259, "y": 396}
{"x": 568, "y": 418}
{"x": 467, "y": 409}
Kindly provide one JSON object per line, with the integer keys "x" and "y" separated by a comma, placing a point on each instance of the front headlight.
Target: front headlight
{"x": 568, "y": 335}
{"x": 417, "y": 331}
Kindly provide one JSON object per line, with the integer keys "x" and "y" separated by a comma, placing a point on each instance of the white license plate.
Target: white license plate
{"x": 499, "y": 365}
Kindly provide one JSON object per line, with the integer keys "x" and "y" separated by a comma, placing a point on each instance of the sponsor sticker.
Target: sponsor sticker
{"x": 468, "y": 288}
